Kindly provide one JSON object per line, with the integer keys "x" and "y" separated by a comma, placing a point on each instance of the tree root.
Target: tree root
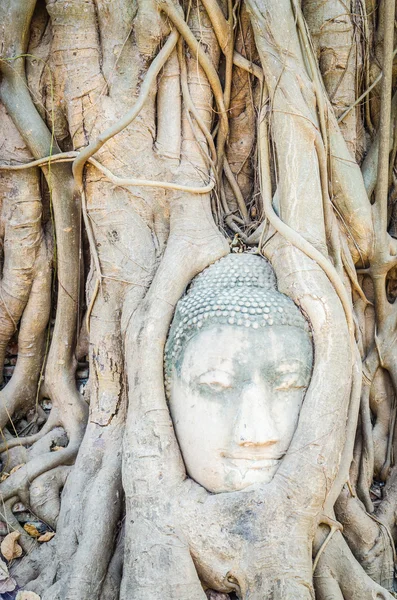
{"x": 18, "y": 483}
{"x": 206, "y": 64}
{"x": 165, "y": 185}
{"x": 22, "y": 242}
{"x": 387, "y": 510}
{"x": 52, "y": 421}
{"x": 20, "y": 393}
{"x": 339, "y": 575}
{"x": 146, "y": 87}
{"x": 221, "y": 30}
{"x": 45, "y": 501}
{"x": 55, "y": 438}
{"x": 86, "y": 532}
{"x": 119, "y": 181}
{"x": 61, "y": 363}
{"x": 334, "y": 527}
{"x": 7, "y": 516}
{"x": 111, "y": 585}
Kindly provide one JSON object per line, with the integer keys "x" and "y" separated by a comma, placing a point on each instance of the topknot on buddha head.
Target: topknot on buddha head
{"x": 236, "y": 271}
{"x": 238, "y": 290}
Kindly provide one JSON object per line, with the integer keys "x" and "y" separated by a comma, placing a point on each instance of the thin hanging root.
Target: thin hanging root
{"x": 351, "y": 491}
{"x": 221, "y": 31}
{"x": 228, "y": 52}
{"x": 91, "y": 238}
{"x": 388, "y": 462}
{"x": 55, "y": 158}
{"x": 224, "y": 204}
{"x": 190, "y": 105}
{"x": 320, "y": 145}
{"x": 119, "y": 181}
{"x": 147, "y": 86}
{"x": 265, "y": 178}
{"x": 364, "y": 17}
{"x": 208, "y": 160}
{"x": 353, "y": 279}
{"x": 229, "y": 57}
{"x": 334, "y": 526}
{"x": 294, "y": 238}
{"x": 91, "y": 304}
{"x": 205, "y": 62}
{"x": 208, "y": 67}
{"x": 364, "y": 94}
{"x": 236, "y": 190}
{"x": 367, "y": 455}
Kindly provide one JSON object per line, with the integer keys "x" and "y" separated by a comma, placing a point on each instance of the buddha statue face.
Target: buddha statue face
{"x": 238, "y": 363}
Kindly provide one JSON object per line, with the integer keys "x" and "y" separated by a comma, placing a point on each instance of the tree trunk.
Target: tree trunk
{"x": 143, "y": 142}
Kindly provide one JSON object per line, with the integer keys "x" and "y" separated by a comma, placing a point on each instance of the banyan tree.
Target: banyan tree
{"x": 198, "y": 210}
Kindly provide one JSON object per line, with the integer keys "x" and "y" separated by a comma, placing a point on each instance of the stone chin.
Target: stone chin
{"x": 238, "y": 476}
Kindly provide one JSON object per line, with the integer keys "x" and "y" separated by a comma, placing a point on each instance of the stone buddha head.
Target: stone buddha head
{"x": 238, "y": 361}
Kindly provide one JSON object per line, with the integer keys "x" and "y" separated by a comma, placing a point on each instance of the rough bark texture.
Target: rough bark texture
{"x": 142, "y": 141}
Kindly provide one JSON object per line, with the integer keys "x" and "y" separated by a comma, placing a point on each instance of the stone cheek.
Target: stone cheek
{"x": 235, "y": 400}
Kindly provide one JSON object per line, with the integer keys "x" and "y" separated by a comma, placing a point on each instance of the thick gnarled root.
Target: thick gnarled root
{"x": 339, "y": 575}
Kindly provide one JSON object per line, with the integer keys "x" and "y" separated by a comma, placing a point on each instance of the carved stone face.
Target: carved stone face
{"x": 235, "y": 398}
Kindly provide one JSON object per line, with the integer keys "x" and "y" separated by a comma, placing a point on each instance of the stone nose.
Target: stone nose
{"x": 255, "y": 425}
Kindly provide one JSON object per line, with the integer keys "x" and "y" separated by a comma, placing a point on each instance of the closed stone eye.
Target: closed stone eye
{"x": 290, "y": 381}
{"x": 216, "y": 385}
{"x": 216, "y": 381}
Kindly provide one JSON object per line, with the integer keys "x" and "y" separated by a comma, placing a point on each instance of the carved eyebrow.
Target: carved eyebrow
{"x": 214, "y": 373}
{"x": 288, "y": 366}
{"x": 224, "y": 365}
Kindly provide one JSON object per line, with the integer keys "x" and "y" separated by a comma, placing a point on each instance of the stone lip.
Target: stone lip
{"x": 256, "y": 464}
